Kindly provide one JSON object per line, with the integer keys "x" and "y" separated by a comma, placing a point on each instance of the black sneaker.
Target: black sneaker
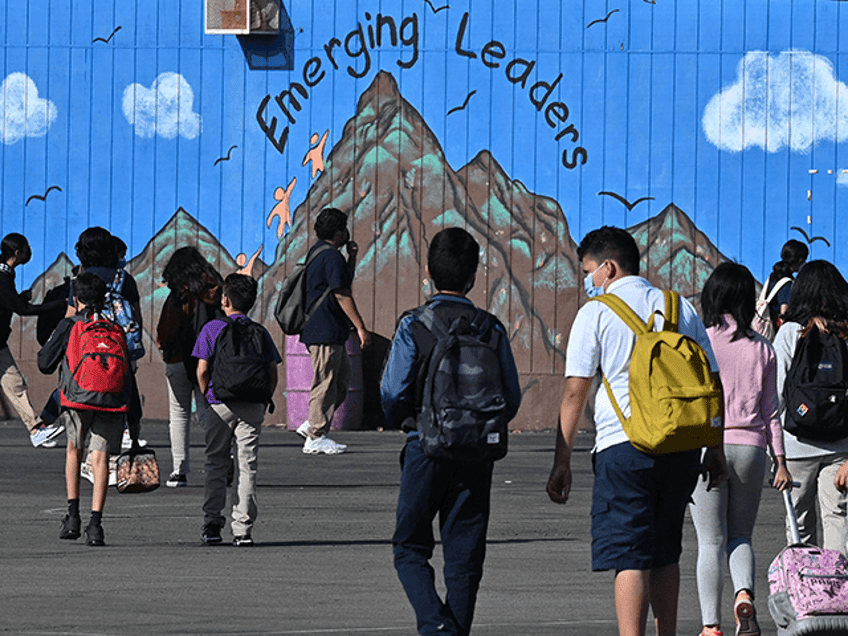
{"x": 176, "y": 480}
{"x": 211, "y": 533}
{"x": 94, "y": 536}
{"x": 70, "y": 528}
{"x": 243, "y": 541}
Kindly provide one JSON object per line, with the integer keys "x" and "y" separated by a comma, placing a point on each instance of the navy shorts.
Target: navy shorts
{"x": 638, "y": 502}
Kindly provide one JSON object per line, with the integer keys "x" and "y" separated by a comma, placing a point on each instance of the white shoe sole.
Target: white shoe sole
{"x": 310, "y": 451}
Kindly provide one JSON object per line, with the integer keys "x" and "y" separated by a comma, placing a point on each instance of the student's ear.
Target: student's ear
{"x": 470, "y": 284}
{"x": 614, "y": 269}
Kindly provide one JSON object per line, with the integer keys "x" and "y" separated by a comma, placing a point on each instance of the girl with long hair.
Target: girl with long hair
{"x": 819, "y": 301}
{"x": 194, "y": 299}
{"x": 793, "y": 255}
{"x": 725, "y": 516}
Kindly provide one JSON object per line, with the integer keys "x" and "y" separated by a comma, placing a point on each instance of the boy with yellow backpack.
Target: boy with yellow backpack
{"x": 658, "y": 404}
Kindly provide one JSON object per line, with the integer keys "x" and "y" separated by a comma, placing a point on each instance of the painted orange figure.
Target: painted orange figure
{"x": 247, "y": 265}
{"x": 282, "y": 209}
{"x": 316, "y": 153}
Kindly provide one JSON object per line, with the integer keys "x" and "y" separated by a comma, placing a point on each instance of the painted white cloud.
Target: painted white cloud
{"x": 165, "y": 109}
{"x": 789, "y": 100}
{"x": 22, "y": 112}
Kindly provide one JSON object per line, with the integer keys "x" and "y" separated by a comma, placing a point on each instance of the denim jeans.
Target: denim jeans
{"x": 459, "y": 493}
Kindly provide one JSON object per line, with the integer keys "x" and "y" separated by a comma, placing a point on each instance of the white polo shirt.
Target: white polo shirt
{"x": 600, "y": 342}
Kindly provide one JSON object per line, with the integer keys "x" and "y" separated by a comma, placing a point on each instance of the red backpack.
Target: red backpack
{"x": 95, "y": 371}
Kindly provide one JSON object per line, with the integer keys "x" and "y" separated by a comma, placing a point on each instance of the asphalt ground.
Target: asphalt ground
{"x": 323, "y": 559}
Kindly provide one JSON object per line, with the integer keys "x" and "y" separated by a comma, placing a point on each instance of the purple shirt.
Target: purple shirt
{"x": 204, "y": 348}
{"x": 748, "y": 369}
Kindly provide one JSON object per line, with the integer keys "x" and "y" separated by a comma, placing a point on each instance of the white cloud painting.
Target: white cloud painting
{"x": 165, "y": 109}
{"x": 22, "y": 112}
{"x": 790, "y": 100}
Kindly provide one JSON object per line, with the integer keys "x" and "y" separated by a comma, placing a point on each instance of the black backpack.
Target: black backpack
{"x": 290, "y": 311}
{"x": 463, "y": 408}
{"x": 240, "y": 364}
{"x": 816, "y": 388}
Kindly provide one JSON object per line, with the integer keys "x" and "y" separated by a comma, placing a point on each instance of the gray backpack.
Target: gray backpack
{"x": 290, "y": 312}
{"x": 463, "y": 409}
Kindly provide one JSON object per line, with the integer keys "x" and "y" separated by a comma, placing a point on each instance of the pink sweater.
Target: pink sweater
{"x": 748, "y": 369}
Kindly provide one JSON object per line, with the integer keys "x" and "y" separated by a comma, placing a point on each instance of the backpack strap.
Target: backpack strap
{"x": 672, "y": 311}
{"x": 623, "y": 311}
{"x": 777, "y": 287}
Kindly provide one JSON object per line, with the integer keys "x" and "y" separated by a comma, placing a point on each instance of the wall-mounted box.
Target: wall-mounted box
{"x": 242, "y": 17}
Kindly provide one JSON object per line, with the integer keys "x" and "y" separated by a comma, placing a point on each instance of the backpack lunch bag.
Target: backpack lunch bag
{"x": 290, "y": 311}
{"x": 120, "y": 311}
{"x": 240, "y": 368}
{"x": 95, "y": 370}
{"x": 463, "y": 411}
{"x": 762, "y": 323}
{"x": 816, "y": 388}
{"x": 675, "y": 402}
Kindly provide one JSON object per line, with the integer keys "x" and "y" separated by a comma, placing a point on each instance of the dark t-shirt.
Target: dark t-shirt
{"x": 330, "y": 324}
{"x": 782, "y": 296}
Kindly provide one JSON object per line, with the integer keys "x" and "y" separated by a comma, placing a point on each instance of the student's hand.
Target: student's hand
{"x": 714, "y": 467}
{"x": 559, "y": 483}
{"x": 364, "y": 338}
{"x": 352, "y": 249}
{"x": 841, "y": 481}
{"x": 782, "y": 479}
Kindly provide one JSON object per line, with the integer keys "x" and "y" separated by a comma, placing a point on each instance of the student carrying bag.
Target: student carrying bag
{"x": 675, "y": 402}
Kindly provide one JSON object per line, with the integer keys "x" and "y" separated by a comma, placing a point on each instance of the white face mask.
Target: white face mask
{"x": 593, "y": 291}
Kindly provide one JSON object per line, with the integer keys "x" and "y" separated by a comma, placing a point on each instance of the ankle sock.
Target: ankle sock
{"x": 96, "y": 516}
{"x": 73, "y": 507}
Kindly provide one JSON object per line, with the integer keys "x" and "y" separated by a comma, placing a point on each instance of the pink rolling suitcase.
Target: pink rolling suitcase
{"x": 808, "y": 587}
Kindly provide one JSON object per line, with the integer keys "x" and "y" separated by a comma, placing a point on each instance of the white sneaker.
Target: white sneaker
{"x": 303, "y": 430}
{"x": 126, "y": 443}
{"x": 45, "y": 435}
{"x": 323, "y": 445}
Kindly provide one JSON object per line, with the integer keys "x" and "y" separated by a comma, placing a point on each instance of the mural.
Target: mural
{"x": 711, "y": 130}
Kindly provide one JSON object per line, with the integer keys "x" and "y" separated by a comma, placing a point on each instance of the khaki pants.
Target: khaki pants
{"x": 816, "y": 475}
{"x": 330, "y": 384}
{"x": 15, "y": 389}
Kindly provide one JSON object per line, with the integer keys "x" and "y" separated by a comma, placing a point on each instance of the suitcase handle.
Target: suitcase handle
{"x": 790, "y": 515}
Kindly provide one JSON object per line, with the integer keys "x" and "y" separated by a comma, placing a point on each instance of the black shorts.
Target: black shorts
{"x": 638, "y": 503}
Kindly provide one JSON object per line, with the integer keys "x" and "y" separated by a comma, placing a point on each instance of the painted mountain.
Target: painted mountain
{"x": 675, "y": 253}
{"x": 390, "y": 174}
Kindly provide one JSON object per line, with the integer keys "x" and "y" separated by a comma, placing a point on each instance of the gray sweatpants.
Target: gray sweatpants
{"x": 724, "y": 521}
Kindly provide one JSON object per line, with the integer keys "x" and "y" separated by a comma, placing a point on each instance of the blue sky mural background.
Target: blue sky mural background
{"x": 641, "y": 88}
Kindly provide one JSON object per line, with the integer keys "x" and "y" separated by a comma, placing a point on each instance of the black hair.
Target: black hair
{"x": 11, "y": 244}
{"x": 793, "y": 255}
{"x": 819, "y": 290}
{"x": 730, "y": 289}
{"x": 190, "y": 275}
{"x": 96, "y": 248}
{"x": 120, "y": 246}
{"x": 611, "y": 243}
{"x": 452, "y": 259}
{"x": 241, "y": 290}
{"x": 90, "y": 290}
{"x": 330, "y": 221}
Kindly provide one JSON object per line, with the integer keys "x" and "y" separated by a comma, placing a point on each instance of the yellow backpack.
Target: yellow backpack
{"x": 675, "y": 402}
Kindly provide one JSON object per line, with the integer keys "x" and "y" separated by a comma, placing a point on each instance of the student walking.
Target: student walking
{"x": 778, "y": 285}
{"x": 14, "y": 251}
{"x": 724, "y": 517}
{"x": 237, "y": 370}
{"x": 458, "y": 491}
{"x": 194, "y": 299}
{"x": 817, "y": 313}
{"x": 95, "y": 393}
{"x": 329, "y": 277}
{"x": 639, "y": 499}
